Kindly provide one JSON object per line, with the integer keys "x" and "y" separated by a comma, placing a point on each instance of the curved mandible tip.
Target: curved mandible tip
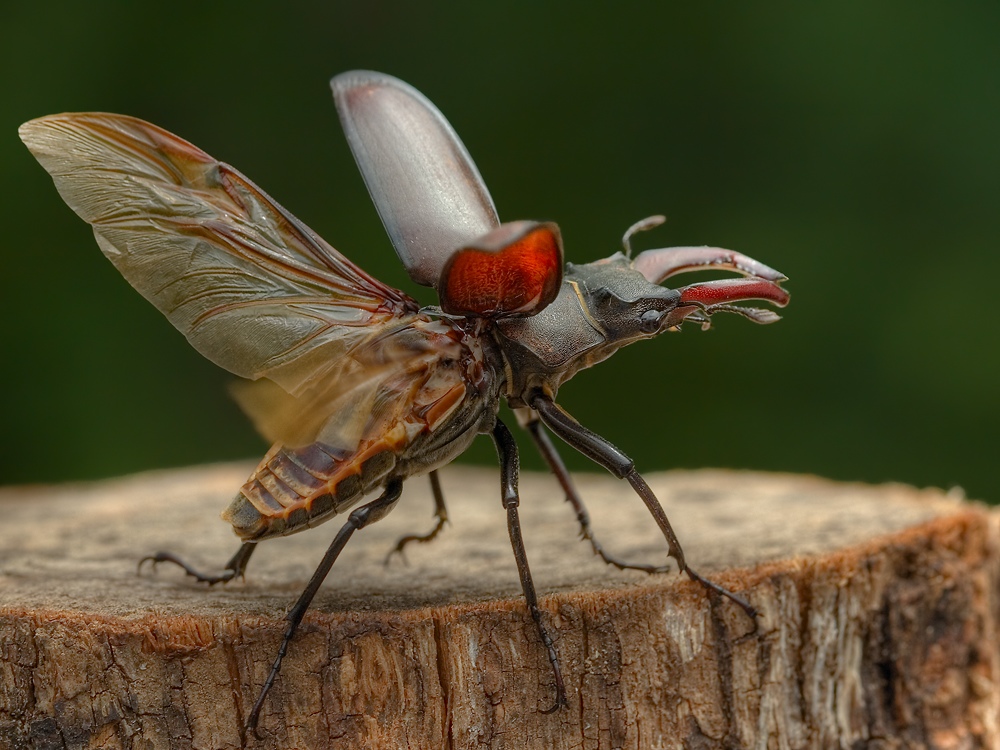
{"x": 426, "y": 188}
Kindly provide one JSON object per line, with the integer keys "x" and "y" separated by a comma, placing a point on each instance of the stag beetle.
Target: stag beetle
{"x": 357, "y": 385}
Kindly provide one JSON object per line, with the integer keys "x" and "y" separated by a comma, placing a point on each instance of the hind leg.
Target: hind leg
{"x": 235, "y": 568}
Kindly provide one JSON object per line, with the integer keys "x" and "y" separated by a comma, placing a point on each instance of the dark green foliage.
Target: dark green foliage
{"x": 853, "y": 146}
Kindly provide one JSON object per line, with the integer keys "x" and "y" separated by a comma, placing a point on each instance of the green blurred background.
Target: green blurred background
{"x": 852, "y": 145}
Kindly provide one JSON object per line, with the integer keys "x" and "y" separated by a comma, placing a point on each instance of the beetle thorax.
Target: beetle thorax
{"x": 601, "y": 307}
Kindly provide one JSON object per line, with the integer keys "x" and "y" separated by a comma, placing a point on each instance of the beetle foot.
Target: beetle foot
{"x": 641, "y": 567}
{"x": 400, "y": 547}
{"x": 620, "y": 564}
{"x": 561, "y": 701}
{"x": 736, "y": 599}
{"x": 211, "y": 580}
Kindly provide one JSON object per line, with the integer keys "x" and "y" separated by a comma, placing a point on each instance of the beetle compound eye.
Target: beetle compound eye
{"x": 649, "y": 321}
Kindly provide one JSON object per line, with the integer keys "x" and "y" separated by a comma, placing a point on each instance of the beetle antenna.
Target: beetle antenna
{"x": 643, "y": 225}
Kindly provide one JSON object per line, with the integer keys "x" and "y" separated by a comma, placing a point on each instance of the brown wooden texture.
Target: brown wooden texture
{"x": 878, "y": 625}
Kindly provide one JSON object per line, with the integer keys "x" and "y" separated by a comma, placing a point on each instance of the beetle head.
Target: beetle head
{"x": 622, "y": 303}
{"x": 626, "y": 298}
{"x": 604, "y": 305}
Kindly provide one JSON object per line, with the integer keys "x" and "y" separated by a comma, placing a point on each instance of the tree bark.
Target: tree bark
{"x": 877, "y": 627}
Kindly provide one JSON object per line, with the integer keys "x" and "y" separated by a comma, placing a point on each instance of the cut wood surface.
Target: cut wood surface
{"x": 878, "y": 624}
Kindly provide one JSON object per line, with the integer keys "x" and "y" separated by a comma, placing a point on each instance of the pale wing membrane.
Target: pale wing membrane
{"x": 251, "y": 288}
{"x": 392, "y": 379}
{"x": 425, "y": 185}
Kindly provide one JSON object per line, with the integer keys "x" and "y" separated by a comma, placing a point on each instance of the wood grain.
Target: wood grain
{"x": 878, "y": 624}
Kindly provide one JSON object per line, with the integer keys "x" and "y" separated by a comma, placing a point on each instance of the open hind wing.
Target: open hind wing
{"x": 251, "y": 287}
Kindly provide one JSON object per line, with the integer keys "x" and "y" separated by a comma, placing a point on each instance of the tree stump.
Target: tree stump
{"x": 878, "y": 620}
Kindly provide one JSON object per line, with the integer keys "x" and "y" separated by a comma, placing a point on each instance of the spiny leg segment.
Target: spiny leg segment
{"x": 440, "y": 513}
{"x": 509, "y": 466}
{"x": 235, "y": 568}
{"x": 602, "y": 452}
{"x": 556, "y": 465}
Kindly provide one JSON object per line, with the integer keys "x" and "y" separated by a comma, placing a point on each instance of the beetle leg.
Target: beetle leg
{"x": 602, "y": 452}
{"x": 235, "y": 568}
{"x": 440, "y": 513}
{"x": 509, "y": 467}
{"x": 556, "y": 465}
{"x": 358, "y": 519}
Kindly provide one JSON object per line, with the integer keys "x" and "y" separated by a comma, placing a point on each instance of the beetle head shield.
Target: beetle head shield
{"x": 621, "y": 302}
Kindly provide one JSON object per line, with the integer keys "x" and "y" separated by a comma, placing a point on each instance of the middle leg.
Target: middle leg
{"x": 556, "y": 465}
{"x": 440, "y": 513}
{"x": 509, "y": 466}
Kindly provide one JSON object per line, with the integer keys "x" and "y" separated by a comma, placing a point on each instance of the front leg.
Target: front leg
{"x": 599, "y": 450}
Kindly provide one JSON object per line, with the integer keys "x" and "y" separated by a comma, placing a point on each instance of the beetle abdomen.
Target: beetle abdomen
{"x": 414, "y": 419}
{"x": 295, "y": 488}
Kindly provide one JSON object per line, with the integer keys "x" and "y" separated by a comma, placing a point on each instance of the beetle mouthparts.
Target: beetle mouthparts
{"x": 659, "y": 265}
{"x": 698, "y": 302}
{"x": 727, "y": 291}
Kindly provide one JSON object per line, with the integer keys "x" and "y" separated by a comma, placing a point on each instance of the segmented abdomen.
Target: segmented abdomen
{"x": 295, "y": 488}
{"x": 422, "y": 403}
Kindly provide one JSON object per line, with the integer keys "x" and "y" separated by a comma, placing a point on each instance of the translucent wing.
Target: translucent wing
{"x": 406, "y": 373}
{"x": 425, "y": 185}
{"x": 408, "y": 403}
{"x": 252, "y": 288}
